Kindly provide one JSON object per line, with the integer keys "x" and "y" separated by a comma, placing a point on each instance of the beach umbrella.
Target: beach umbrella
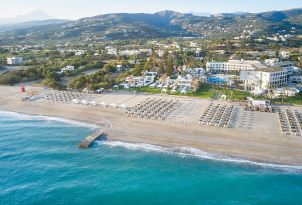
{"x": 84, "y": 102}
{"x": 112, "y": 105}
{"x": 75, "y": 101}
{"x": 93, "y": 103}
{"x": 122, "y": 106}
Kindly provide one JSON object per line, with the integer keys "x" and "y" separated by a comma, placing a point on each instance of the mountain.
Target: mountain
{"x": 30, "y": 24}
{"x": 158, "y": 25}
{"x": 35, "y": 15}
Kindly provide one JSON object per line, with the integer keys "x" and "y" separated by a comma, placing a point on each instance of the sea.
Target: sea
{"x": 40, "y": 163}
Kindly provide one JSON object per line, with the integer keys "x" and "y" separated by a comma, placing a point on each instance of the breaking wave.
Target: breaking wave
{"x": 22, "y": 116}
{"x": 197, "y": 153}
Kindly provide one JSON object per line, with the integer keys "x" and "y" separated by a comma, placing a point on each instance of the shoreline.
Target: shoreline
{"x": 245, "y": 144}
{"x": 183, "y": 151}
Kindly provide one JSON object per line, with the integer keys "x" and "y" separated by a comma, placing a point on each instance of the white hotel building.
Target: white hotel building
{"x": 233, "y": 65}
{"x": 14, "y": 61}
{"x": 263, "y": 79}
{"x": 256, "y": 77}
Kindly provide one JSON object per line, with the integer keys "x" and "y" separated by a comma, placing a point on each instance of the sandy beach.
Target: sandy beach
{"x": 262, "y": 142}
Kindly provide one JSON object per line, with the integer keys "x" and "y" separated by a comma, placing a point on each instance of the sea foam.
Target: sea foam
{"x": 22, "y": 116}
{"x": 198, "y": 153}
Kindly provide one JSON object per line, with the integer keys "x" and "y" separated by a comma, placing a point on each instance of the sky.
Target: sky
{"x": 74, "y": 9}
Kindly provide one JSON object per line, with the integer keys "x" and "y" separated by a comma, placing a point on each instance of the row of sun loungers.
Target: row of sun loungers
{"x": 63, "y": 97}
{"x": 290, "y": 122}
{"x": 156, "y": 109}
{"x": 218, "y": 115}
{"x": 80, "y": 99}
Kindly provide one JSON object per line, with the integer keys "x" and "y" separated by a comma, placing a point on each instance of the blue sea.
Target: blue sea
{"x": 40, "y": 163}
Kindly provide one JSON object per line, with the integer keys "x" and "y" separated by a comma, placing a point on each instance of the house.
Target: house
{"x": 14, "y": 60}
{"x": 284, "y": 54}
{"x": 112, "y": 51}
{"x": 67, "y": 68}
{"x": 149, "y": 77}
{"x": 79, "y": 52}
{"x": 119, "y": 68}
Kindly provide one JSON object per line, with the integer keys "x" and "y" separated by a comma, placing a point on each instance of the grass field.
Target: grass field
{"x": 208, "y": 91}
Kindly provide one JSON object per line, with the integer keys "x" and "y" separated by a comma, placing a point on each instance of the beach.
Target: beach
{"x": 262, "y": 144}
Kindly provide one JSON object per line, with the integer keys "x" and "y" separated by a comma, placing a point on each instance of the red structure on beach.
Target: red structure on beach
{"x": 22, "y": 88}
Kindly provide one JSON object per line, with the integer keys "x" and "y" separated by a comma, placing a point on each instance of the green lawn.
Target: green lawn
{"x": 297, "y": 100}
{"x": 208, "y": 91}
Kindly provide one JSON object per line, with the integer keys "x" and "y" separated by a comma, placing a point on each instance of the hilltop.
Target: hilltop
{"x": 162, "y": 24}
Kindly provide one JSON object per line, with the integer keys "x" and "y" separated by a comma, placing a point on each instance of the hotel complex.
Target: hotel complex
{"x": 266, "y": 78}
{"x": 233, "y": 65}
{"x": 256, "y": 76}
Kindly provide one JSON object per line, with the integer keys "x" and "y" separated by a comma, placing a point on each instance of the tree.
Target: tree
{"x": 109, "y": 68}
{"x": 137, "y": 70}
{"x": 170, "y": 67}
{"x": 148, "y": 65}
{"x": 162, "y": 69}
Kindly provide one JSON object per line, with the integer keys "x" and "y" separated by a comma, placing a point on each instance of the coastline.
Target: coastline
{"x": 235, "y": 143}
{"x": 181, "y": 151}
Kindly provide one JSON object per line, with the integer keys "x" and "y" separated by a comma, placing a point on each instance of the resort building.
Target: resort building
{"x": 295, "y": 79}
{"x": 140, "y": 81}
{"x": 233, "y": 65}
{"x": 186, "y": 82}
{"x": 134, "y": 81}
{"x": 286, "y": 65}
{"x": 14, "y": 60}
{"x": 260, "y": 80}
{"x": 195, "y": 72}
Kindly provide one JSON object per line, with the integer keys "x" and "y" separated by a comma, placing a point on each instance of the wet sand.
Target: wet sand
{"x": 261, "y": 144}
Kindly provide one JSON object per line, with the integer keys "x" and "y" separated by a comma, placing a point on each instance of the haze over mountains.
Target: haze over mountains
{"x": 158, "y": 25}
{"x": 31, "y": 19}
{"x": 35, "y": 15}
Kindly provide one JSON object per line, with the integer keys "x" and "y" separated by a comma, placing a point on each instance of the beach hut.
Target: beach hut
{"x": 93, "y": 103}
{"x": 100, "y": 91}
{"x": 184, "y": 92}
{"x": 164, "y": 90}
{"x": 173, "y": 91}
{"x": 123, "y": 107}
{"x": 84, "y": 102}
{"x": 103, "y": 104}
{"x": 75, "y": 101}
{"x": 112, "y": 105}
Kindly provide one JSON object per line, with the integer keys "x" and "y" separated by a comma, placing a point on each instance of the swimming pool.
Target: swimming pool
{"x": 215, "y": 80}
